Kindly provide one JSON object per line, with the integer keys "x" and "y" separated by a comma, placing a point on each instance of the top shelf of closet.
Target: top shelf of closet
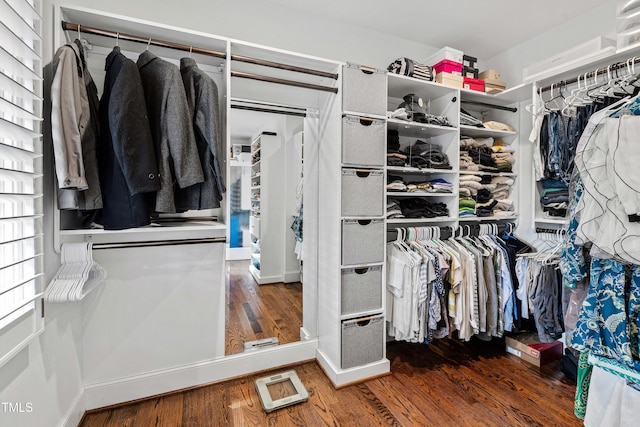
{"x": 399, "y": 86}
{"x": 505, "y": 98}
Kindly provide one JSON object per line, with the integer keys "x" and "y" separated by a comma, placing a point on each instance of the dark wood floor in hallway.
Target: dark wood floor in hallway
{"x": 257, "y": 311}
{"x": 448, "y": 383}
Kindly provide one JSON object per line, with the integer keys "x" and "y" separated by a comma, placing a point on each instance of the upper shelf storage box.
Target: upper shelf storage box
{"x": 364, "y": 90}
{"x": 446, "y": 53}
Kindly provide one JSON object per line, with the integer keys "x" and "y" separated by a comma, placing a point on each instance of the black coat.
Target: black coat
{"x": 126, "y": 160}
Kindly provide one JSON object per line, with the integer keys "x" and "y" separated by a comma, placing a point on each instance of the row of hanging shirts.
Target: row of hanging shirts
{"x": 437, "y": 286}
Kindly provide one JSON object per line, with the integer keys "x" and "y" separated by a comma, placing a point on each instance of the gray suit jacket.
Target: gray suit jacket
{"x": 171, "y": 128}
{"x": 202, "y": 97}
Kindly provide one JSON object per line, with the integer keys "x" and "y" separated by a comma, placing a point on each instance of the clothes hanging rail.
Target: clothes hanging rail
{"x": 272, "y": 64}
{"x": 268, "y": 110}
{"x": 144, "y": 244}
{"x": 486, "y": 104}
{"x": 612, "y": 67}
{"x": 243, "y": 75}
{"x": 67, "y": 26}
{"x": 550, "y": 230}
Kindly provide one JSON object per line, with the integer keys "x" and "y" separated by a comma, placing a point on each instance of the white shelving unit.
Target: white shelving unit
{"x": 441, "y": 101}
{"x": 267, "y": 232}
{"x": 446, "y": 101}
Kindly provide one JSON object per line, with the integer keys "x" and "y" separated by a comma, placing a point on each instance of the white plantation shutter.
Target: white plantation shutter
{"x": 21, "y": 184}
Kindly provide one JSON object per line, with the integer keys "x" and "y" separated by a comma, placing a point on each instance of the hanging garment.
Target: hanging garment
{"x": 75, "y": 129}
{"x": 609, "y": 204}
{"x": 202, "y": 98}
{"x": 126, "y": 157}
{"x": 608, "y": 322}
{"x": 171, "y": 129}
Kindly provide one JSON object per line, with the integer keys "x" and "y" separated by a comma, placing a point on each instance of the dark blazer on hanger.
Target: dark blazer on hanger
{"x": 202, "y": 99}
{"x": 171, "y": 128}
{"x": 127, "y": 161}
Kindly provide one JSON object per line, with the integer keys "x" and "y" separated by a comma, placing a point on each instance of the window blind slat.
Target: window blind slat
{"x": 16, "y": 252}
{"x": 17, "y": 46}
{"x": 9, "y": 83}
{"x": 17, "y": 206}
{"x": 16, "y": 131}
{"x": 12, "y": 66}
{"x": 22, "y": 281}
{"x": 19, "y": 228}
{"x": 12, "y": 158}
{"x": 27, "y": 10}
{"x": 17, "y": 23}
{"x": 13, "y": 112}
{"x": 23, "y": 306}
{"x": 18, "y": 146}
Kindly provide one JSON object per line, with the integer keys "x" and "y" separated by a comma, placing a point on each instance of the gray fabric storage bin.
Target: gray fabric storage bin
{"x": 362, "y": 341}
{"x": 363, "y": 241}
{"x": 364, "y": 90}
{"x": 362, "y": 192}
{"x": 363, "y": 141}
{"x": 361, "y": 289}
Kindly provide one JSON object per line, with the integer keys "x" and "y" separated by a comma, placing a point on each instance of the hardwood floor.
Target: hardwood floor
{"x": 260, "y": 311}
{"x": 448, "y": 383}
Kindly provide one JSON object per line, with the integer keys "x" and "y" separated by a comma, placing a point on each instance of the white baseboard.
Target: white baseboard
{"x": 75, "y": 412}
{"x": 107, "y": 393}
{"x": 341, "y": 377}
{"x": 292, "y": 276}
{"x": 304, "y": 334}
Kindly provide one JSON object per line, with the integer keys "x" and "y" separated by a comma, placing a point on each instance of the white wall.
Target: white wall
{"x": 582, "y": 28}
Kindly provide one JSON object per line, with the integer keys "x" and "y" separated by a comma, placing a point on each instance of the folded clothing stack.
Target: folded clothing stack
{"x": 416, "y": 207}
{"x": 394, "y": 156}
{"x": 410, "y": 68}
{"x": 554, "y": 198}
{"x": 436, "y": 185}
{"x": 468, "y": 120}
{"x": 485, "y": 195}
{"x": 424, "y": 155}
{"x": 466, "y": 206}
{"x": 393, "y": 209}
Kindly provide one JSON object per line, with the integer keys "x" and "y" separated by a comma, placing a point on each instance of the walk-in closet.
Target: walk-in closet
{"x": 407, "y": 215}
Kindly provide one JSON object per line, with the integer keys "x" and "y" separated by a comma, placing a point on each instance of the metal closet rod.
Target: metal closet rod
{"x": 67, "y": 26}
{"x": 259, "y": 77}
{"x": 591, "y": 74}
{"x": 486, "y": 104}
{"x": 144, "y": 244}
{"x": 268, "y": 110}
{"x": 272, "y": 64}
{"x": 550, "y": 230}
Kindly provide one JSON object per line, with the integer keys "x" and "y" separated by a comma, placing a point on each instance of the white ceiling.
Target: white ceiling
{"x": 481, "y": 28}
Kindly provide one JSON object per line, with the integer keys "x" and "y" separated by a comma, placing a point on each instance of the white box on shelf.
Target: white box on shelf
{"x": 446, "y": 52}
